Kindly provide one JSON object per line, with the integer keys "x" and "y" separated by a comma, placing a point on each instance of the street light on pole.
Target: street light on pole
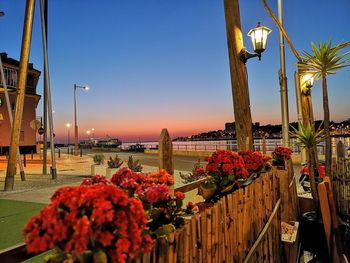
{"x": 93, "y": 132}
{"x": 68, "y": 135}
{"x": 76, "y": 148}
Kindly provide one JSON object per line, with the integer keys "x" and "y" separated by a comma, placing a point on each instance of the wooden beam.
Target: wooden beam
{"x": 239, "y": 81}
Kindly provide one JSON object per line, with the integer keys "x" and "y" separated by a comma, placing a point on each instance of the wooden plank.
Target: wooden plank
{"x": 187, "y": 238}
{"x": 194, "y": 237}
{"x": 199, "y": 239}
{"x": 263, "y": 232}
{"x": 326, "y": 215}
{"x": 171, "y": 240}
{"x": 165, "y": 153}
{"x": 204, "y": 235}
{"x": 209, "y": 235}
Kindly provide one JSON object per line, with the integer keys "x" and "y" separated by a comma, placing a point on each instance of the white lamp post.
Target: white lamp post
{"x": 76, "y": 148}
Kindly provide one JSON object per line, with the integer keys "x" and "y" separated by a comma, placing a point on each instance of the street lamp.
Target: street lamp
{"x": 307, "y": 83}
{"x": 68, "y": 135}
{"x": 93, "y": 132}
{"x": 76, "y": 148}
{"x": 259, "y": 38}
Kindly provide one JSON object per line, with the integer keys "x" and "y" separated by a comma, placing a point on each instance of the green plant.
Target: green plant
{"x": 98, "y": 159}
{"x": 196, "y": 173}
{"x": 308, "y": 138}
{"x": 324, "y": 61}
{"x": 134, "y": 165}
{"x": 114, "y": 163}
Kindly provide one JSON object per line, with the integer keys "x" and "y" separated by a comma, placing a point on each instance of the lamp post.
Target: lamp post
{"x": 76, "y": 148}
{"x": 93, "y": 132}
{"x": 68, "y": 134}
{"x": 258, "y": 36}
{"x": 88, "y": 132}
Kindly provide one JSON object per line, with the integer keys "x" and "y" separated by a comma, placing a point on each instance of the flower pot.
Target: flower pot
{"x": 99, "y": 169}
{"x": 110, "y": 172}
{"x": 207, "y": 190}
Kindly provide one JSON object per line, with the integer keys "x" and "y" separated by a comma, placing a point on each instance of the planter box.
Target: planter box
{"x": 99, "y": 169}
{"x": 110, "y": 172}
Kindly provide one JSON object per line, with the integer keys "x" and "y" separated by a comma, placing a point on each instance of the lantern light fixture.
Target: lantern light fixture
{"x": 308, "y": 82}
{"x": 259, "y": 36}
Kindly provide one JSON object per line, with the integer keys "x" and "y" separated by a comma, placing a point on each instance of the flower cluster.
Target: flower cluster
{"x": 161, "y": 177}
{"x": 282, "y": 153}
{"x": 226, "y": 164}
{"x": 90, "y": 217}
{"x": 255, "y": 162}
{"x": 153, "y": 190}
{"x": 130, "y": 181}
{"x": 97, "y": 179}
{"x": 157, "y": 193}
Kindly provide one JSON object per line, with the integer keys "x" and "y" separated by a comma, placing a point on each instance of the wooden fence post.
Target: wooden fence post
{"x": 166, "y": 153}
{"x": 340, "y": 150}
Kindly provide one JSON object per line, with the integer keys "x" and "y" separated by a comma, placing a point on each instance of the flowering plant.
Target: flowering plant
{"x": 255, "y": 162}
{"x": 152, "y": 189}
{"x": 130, "y": 181}
{"x": 162, "y": 177}
{"x": 281, "y": 154}
{"x": 97, "y": 179}
{"x": 99, "y": 218}
{"x": 224, "y": 169}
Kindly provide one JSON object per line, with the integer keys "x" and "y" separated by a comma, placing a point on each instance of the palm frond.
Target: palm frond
{"x": 307, "y": 136}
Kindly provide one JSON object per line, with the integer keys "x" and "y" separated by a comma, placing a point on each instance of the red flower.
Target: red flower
{"x": 254, "y": 161}
{"x": 282, "y": 152}
{"x": 179, "y": 195}
{"x": 157, "y": 193}
{"x": 90, "y": 217}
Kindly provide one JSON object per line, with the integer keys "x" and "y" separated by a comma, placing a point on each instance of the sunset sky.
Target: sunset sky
{"x": 152, "y": 64}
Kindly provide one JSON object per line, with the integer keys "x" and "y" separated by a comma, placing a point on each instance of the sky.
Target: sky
{"x": 153, "y": 64}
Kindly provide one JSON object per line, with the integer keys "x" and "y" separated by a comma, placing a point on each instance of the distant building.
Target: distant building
{"x": 28, "y": 135}
{"x": 230, "y": 127}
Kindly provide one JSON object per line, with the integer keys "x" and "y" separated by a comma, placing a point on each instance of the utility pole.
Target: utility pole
{"x": 48, "y": 92}
{"x": 283, "y": 83}
{"x": 21, "y": 85}
{"x": 239, "y": 81}
{"x": 45, "y": 102}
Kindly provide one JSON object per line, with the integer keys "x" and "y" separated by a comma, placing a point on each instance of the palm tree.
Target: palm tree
{"x": 324, "y": 61}
{"x": 308, "y": 138}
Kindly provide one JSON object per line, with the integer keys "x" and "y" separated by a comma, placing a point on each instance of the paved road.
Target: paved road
{"x": 184, "y": 163}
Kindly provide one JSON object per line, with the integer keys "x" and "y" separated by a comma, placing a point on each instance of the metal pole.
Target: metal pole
{"x": 283, "y": 84}
{"x": 48, "y": 91}
{"x": 8, "y": 104}
{"x": 45, "y": 110}
{"x": 299, "y": 110}
{"x": 76, "y": 149}
{"x": 21, "y": 85}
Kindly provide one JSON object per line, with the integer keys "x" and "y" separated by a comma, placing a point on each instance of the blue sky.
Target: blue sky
{"x": 159, "y": 63}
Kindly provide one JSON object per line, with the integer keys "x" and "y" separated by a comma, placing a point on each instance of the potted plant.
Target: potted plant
{"x": 90, "y": 223}
{"x": 280, "y": 155}
{"x": 225, "y": 169}
{"x": 134, "y": 165}
{"x": 98, "y": 167}
{"x": 311, "y": 225}
{"x": 113, "y": 165}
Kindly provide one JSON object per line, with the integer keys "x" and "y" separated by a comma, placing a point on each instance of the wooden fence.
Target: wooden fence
{"x": 241, "y": 227}
{"x": 341, "y": 184}
{"x": 288, "y": 192}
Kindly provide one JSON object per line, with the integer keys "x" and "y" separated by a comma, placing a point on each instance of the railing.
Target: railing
{"x": 211, "y": 146}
